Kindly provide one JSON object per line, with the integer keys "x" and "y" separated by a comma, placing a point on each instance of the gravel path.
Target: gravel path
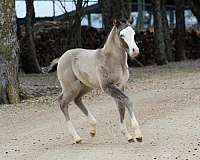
{"x": 167, "y": 105}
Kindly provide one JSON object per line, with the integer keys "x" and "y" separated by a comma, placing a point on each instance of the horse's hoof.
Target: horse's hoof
{"x": 92, "y": 134}
{"x": 79, "y": 141}
{"x": 139, "y": 139}
{"x": 131, "y": 140}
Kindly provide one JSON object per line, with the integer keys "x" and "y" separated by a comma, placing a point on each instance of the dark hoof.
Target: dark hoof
{"x": 139, "y": 139}
{"x": 131, "y": 140}
{"x": 78, "y": 141}
{"x": 92, "y": 134}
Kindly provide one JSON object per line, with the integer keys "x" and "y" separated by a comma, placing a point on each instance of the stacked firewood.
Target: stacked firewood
{"x": 145, "y": 42}
{"x": 49, "y": 45}
{"x": 193, "y": 44}
{"x": 93, "y": 38}
{"x": 50, "y": 42}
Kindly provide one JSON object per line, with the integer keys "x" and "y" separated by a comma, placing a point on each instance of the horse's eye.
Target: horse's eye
{"x": 122, "y": 36}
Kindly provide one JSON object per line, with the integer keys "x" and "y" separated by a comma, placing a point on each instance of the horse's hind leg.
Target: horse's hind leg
{"x": 83, "y": 108}
{"x": 64, "y": 99}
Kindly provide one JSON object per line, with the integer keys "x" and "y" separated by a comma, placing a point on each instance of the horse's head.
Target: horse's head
{"x": 127, "y": 37}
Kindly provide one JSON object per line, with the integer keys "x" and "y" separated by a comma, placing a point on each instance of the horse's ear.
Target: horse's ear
{"x": 130, "y": 20}
{"x": 116, "y": 23}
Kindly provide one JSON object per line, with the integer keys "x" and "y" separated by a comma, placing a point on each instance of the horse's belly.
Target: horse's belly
{"x": 86, "y": 72}
{"x": 89, "y": 79}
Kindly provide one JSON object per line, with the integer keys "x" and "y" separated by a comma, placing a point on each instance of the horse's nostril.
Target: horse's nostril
{"x": 133, "y": 50}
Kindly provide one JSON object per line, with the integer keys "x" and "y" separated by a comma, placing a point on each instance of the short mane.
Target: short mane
{"x": 112, "y": 40}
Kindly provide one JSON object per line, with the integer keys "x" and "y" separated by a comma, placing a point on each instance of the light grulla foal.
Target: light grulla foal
{"x": 81, "y": 70}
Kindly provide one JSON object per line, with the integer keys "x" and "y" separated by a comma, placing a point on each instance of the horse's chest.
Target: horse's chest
{"x": 117, "y": 76}
{"x": 84, "y": 70}
{"x": 118, "y": 70}
{"x": 124, "y": 78}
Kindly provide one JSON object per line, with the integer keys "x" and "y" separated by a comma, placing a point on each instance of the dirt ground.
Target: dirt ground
{"x": 167, "y": 106}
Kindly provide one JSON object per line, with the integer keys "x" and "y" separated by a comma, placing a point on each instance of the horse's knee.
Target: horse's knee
{"x": 60, "y": 101}
{"x": 121, "y": 108}
{"x": 62, "y": 105}
{"x": 63, "y": 101}
{"x": 127, "y": 102}
{"x": 60, "y": 98}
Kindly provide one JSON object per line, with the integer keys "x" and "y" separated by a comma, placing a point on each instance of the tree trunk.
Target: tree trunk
{"x": 29, "y": 59}
{"x": 114, "y": 9}
{"x": 106, "y": 14}
{"x": 171, "y": 19}
{"x": 140, "y": 17}
{"x": 166, "y": 33}
{"x": 159, "y": 41}
{"x": 9, "y": 84}
{"x": 180, "y": 31}
{"x": 74, "y": 31}
{"x": 74, "y": 34}
{"x": 73, "y": 39}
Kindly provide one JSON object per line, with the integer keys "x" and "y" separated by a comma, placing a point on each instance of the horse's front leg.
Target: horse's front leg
{"x": 122, "y": 110}
{"x": 123, "y": 100}
{"x": 123, "y": 127}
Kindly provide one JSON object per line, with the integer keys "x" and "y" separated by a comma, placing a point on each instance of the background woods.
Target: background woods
{"x": 113, "y": 9}
{"x": 29, "y": 59}
{"x": 165, "y": 39}
{"x": 73, "y": 29}
{"x": 195, "y": 7}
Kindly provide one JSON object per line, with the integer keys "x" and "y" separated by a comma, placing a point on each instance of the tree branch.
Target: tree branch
{"x": 63, "y": 6}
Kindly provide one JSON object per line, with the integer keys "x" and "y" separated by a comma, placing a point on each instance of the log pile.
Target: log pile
{"x": 145, "y": 42}
{"x": 193, "y": 44}
{"x": 50, "y": 42}
{"x": 93, "y": 38}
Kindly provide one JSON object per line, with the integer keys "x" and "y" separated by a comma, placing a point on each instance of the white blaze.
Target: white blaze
{"x": 128, "y": 35}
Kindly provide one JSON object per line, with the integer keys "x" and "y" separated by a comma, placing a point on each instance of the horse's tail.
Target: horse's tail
{"x": 53, "y": 65}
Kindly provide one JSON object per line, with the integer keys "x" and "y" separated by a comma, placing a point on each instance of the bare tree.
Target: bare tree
{"x": 29, "y": 59}
{"x": 166, "y": 32}
{"x": 180, "y": 31}
{"x": 195, "y": 7}
{"x": 112, "y": 9}
{"x": 160, "y": 46}
{"x": 9, "y": 85}
{"x": 73, "y": 33}
{"x": 140, "y": 17}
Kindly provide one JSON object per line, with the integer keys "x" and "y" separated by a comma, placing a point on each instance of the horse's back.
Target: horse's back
{"x": 75, "y": 55}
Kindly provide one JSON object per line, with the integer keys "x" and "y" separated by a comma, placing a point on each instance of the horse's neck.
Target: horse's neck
{"x": 112, "y": 49}
{"x": 112, "y": 43}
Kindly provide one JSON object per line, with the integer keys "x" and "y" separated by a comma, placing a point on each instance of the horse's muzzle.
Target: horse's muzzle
{"x": 135, "y": 53}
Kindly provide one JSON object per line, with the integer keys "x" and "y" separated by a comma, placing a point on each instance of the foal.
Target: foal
{"x": 81, "y": 70}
